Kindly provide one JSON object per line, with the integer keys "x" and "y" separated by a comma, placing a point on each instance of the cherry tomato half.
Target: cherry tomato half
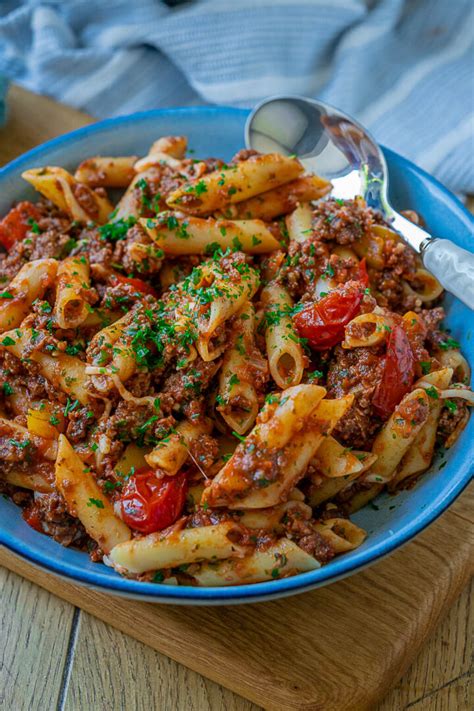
{"x": 398, "y": 373}
{"x": 17, "y": 222}
{"x": 31, "y": 516}
{"x": 142, "y": 286}
{"x": 322, "y": 323}
{"x": 150, "y": 503}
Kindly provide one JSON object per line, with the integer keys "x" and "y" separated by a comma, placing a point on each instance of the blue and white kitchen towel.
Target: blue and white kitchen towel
{"x": 405, "y": 68}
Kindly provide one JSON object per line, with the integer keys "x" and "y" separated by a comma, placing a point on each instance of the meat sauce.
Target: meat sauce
{"x": 171, "y": 379}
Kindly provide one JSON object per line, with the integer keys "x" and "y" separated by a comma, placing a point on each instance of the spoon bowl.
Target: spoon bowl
{"x": 335, "y": 146}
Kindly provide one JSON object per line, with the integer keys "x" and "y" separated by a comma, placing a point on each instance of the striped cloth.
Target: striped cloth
{"x": 402, "y": 67}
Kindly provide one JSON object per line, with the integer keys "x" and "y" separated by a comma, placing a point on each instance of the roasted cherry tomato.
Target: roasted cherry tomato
{"x": 137, "y": 284}
{"x": 398, "y": 373}
{"x": 322, "y": 323}
{"x": 150, "y": 503}
{"x": 31, "y": 516}
{"x": 16, "y": 224}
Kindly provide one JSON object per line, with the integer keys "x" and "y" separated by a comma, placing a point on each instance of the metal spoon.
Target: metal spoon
{"x": 333, "y": 145}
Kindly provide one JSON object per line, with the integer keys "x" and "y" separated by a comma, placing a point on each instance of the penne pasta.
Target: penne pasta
{"x": 233, "y": 393}
{"x": 172, "y": 452}
{"x": 73, "y": 283}
{"x": 106, "y": 172}
{"x": 66, "y": 371}
{"x": 178, "y": 236}
{"x": 418, "y": 457}
{"x": 242, "y": 483}
{"x": 168, "y": 550}
{"x": 281, "y": 559}
{"x": 397, "y": 435}
{"x": 86, "y": 501}
{"x": 29, "y": 284}
{"x": 282, "y": 200}
{"x": 216, "y": 298}
{"x": 234, "y": 183}
{"x": 237, "y": 393}
{"x": 366, "y": 330}
{"x": 74, "y": 198}
{"x": 299, "y": 223}
{"x": 285, "y": 354}
{"x": 341, "y": 534}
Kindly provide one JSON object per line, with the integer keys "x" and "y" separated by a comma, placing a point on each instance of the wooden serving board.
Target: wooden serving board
{"x": 340, "y": 647}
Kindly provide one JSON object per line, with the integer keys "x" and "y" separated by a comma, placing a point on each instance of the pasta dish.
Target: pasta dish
{"x": 207, "y": 367}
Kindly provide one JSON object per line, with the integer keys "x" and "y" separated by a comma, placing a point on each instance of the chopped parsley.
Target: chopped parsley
{"x": 116, "y": 231}
{"x": 425, "y": 366}
{"x": 449, "y": 343}
{"x": 96, "y": 502}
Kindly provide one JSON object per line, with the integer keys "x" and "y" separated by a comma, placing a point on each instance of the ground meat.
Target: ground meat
{"x": 302, "y": 267}
{"x": 183, "y": 388}
{"x": 432, "y": 319}
{"x": 137, "y": 253}
{"x": 301, "y": 530}
{"x": 243, "y": 154}
{"x": 204, "y": 451}
{"x": 85, "y": 198}
{"x": 56, "y": 521}
{"x": 356, "y": 371}
{"x": 343, "y": 222}
{"x": 137, "y": 423}
{"x": 98, "y": 250}
{"x": 450, "y": 419}
{"x": 79, "y": 420}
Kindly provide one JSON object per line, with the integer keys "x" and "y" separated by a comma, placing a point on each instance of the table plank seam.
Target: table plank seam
{"x": 71, "y": 648}
{"x": 466, "y": 675}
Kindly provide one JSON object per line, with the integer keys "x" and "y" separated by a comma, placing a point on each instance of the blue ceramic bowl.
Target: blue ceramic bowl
{"x": 219, "y": 132}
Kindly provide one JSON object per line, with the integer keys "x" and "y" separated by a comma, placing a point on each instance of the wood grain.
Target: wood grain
{"x": 136, "y": 677}
{"x": 33, "y": 119}
{"x": 35, "y": 629}
{"x": 350, "y": 642}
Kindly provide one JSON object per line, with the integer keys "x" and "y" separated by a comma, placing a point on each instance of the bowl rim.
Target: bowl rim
{"x": 253, "y": 592}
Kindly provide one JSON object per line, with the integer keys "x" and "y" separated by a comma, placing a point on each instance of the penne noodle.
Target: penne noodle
{"x": 172, "y": 452}
{"x": 334, "y": 460}
{"x": 239, "y": 486}
{"x": 68, "y": 372}
{"x": 281, "y": 559}
{"x": 237, "y": 392}
{"x": 397, "y": 435}
{"x": 76, "y": 199}
{"x": 282, "y": 200}
{"x": 234, "y": 183}
{"x": 419, "y": 456}
{"x": 73, "y": 279}
{"x": 299, "y": 223}
{"x": 424, "y": 286}
{"x": 26, "y": 480}
{"x": 170, "y": 549}
{"x": 341, "y": 534}
{"x": 29, "y": 284}
{"x": 218, "y": 298}
{"x": 131, "y": 202}
{"x": 178, "y": 236}
{"x": 86, "y": 501}
{"x": 284, "y": 351}
{"x": 366, "y": 330}
{"x": 362, "y": 497}
{"x": 106, "y": 172}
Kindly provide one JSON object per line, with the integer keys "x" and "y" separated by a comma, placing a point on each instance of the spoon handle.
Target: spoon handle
{"x": 453, "y": 267}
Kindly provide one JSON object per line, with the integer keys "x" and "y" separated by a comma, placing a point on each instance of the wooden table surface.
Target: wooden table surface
{"x": 55, "y": 656}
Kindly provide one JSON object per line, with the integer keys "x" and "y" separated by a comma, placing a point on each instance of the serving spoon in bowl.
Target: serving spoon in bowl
{"x": 333, "y": 145}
